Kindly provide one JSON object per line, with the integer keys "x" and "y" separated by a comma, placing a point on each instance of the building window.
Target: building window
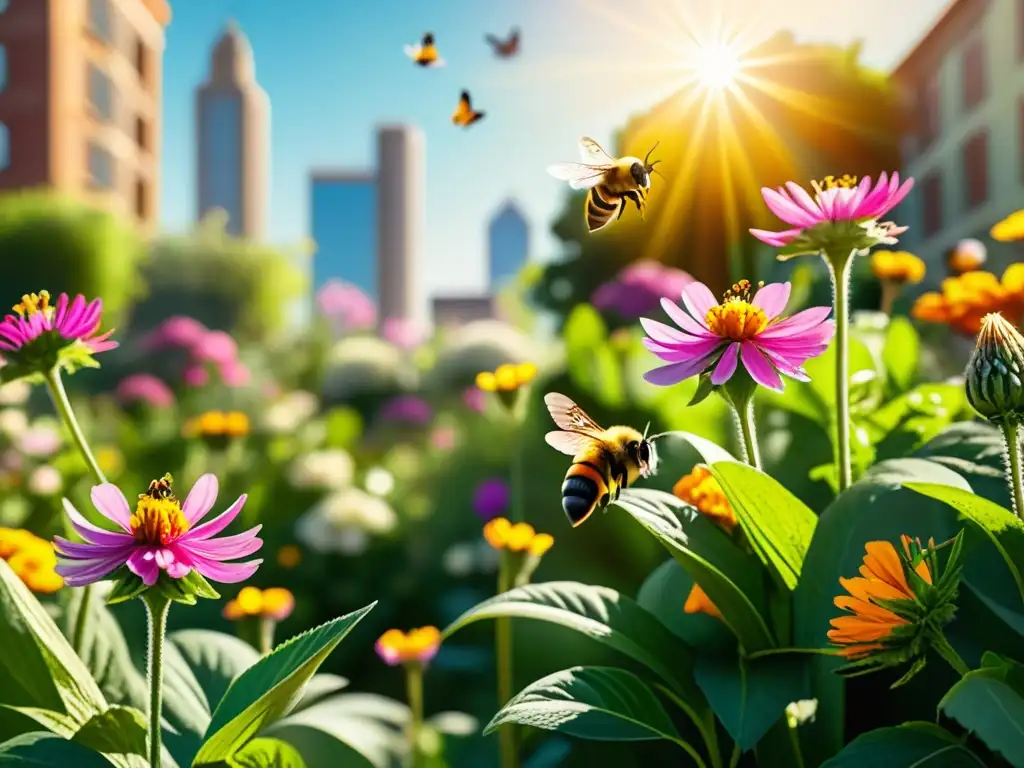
{"x": 5, "y": 147}
{"x": 973, "y": 64}
{"x": 975, "y": 169}
{"x": 3, "y": 67}
{"x": 101, "y": 94}
{"x": 928, "y": 115}
{"x": 101, "y": 167}
{"x": 141, "y": 133}
{"x": 141, "y": 198}
{"x": 100, "y": 20}
{"x": 932, "y": 186}
{"x": 141, "y": 60}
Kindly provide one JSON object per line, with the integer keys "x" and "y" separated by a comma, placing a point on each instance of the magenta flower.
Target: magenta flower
{"x": 346, "y": 305}
{"x": 215, "y": 347}
{"x": 491, "y": 498}
{"x": 718, "y": 336}
{"x": 195, "y": 375}
{"x": 842, "y": 216}
{"x": 178, "y": 331}
{"x": 160, "y": 535}
{"x": 406, "y": 409}
{"x": 235, "y": 373}
{"x": 145, "y": 388}
{"x": 475, "y": 399}
{"x": 638, "y": 288}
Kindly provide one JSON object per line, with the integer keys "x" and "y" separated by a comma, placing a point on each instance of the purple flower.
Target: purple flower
{"x": 346, "y": 306}
{"x": 638, "y": 288}
{"x": 717, "y": 336}
{"x": 491, "y": 498}
{"x": 475, "y": 399}
{"x": 178, "y": 331}
{"x": 407, "y": 409}
{"x": 403, "y": 333}
{"x": 215, "y": 347}
{"x": 160, "y": 535}
{"x": 145, "y": 388}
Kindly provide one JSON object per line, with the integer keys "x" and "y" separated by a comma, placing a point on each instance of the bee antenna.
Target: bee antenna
{"x": 648, "y": 155}
{"x": 655, "y": 170}
{"x": 647, "y": 429}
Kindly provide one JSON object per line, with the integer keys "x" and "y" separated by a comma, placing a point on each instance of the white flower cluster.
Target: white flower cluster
{"x": 344, "y": 521}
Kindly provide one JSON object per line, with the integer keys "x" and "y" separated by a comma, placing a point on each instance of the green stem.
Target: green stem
{"x": 266, "y": 635}
{"x": 516, "y": 513}
{"x": 1011, "y": 433}
{"x": 945, "y": 650}
{"x": 156, "y": 610}
{"x": 62, "y": 404}
{"x": 503, "y": 652}
{"x": 414, "y": 694}
{"x": 748, "y": 429}
{"x": 840, "y": 267}
{"x": 797, "y": 752}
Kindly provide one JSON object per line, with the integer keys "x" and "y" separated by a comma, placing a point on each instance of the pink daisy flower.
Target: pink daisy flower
{"x": 842, "y": 216}
{"x": 717, "y": 336}
{"x": 160, "y": 535}
{"x": 145, "y": 388}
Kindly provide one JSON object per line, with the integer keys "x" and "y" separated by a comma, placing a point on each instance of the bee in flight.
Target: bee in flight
{"x": 507, "y": 48}
{"x": 610, "y": 182}
{"x": 604, "y": 460}
{"x": 425, "y": 54}
{"x": 464, "y": 114}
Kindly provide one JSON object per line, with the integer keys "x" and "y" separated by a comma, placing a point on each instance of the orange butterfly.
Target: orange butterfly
{"x": 464, "y": 114}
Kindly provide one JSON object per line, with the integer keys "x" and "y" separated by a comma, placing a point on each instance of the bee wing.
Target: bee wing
{"x": 412, "y": 51}
{"x": 569, "y": 443}
{"x": 570, "y": 417}
{"x": 464, "y": 111}
{"x": 592, "y": 154}
{"x": 495, "y": 42}
{"x": 579, "y": 175}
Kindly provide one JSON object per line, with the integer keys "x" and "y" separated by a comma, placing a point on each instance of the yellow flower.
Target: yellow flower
{"x": 217, "y": 425}
{"x": 289, "y": 556}
{"x": 418, "y": 646}
{"x": 506, "y": 378}
{"x": 32, "y": 559}
{"x": 110, "y": 459}
{"x": 275, "y": 603}
{"x": 897, "y": 266}
{"x": 700, "y": 489}
{"x": 699, "y": 602}
{"x": 964, "y": 300}
{"x": 1009, "y": 229}
{"x": 520, "y": 537}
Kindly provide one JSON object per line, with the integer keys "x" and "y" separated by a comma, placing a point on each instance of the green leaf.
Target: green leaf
{"x": 55, "y": 722}
{"x": 710, "y": 452}
{"x": 320, "y": 687}
{"x": 901, "y": 353}
{"x": 663, "y": 595}
{"x": 910, "y": 744}
{"x": 777, "y": 523}
{"x": 990, "y": 703}
{"x": 127, "y": 586}
{"x": 731, "y": 579}
{"x": 38, "y": 657}
{"x": 215, "y": 658}
{"x": 188, "y": 589}
{"x": 268, "y": 753}
{"x": 118, "y": 731}
{"x": 264, "y": 692}
{"x": 186, "y": 714}
{"x": 1003, "y": 528}
{"x": 47, "y": 750}
{"x": 597, "y": 703}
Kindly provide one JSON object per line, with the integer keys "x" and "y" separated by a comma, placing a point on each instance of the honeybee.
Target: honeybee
{"x": 604, "y": 460}
{"x": 610, "y": 182}
{"x": 425, "y": 54}
{"x": 464, "y": 114}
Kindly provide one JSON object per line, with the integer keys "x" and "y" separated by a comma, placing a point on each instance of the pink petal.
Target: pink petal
{"x": 78, "y": 551}
{"x": 226, "y": 573}
{"x": 800, "y": 196}
{"x": 777, "y": 239}
{"x": 226, "y": 548}
{"x": 786, "y": 209}
{"x": 388, "y": 654}
{"x": 78, "y": 573}
{"x": 92, "y": 533}
{"x": 200, "y": 499}
{"x": 759, "y": 368}
{"x": 871, "y": 205}
{"x": 111, "y": 503}
{"x": 814, "y": 336}
{"x": 898, "y": 196}
{"x": 727, "y": 365}
{"x": 772, "y": 299}
{"x": 663, "y": 333}
{"x": 677, "y": 353}
{"x": 849, "y": 203}
{"x": 698, "y": 300}
{"x": 784, "y": 366}
{"x": 676, "y": 372}
{"x": 218, "y": 524}
{"x": 143, "y": 564}
{"x": 684, "y": 321}
{"x": 798, "y": 322}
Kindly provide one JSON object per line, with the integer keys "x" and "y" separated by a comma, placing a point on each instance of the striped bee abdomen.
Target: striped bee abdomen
{"x": 602, "y": 204}
{"x": 583, "y": 488}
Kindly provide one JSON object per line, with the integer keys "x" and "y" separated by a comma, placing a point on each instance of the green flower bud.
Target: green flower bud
{"x": 995, "y": 373}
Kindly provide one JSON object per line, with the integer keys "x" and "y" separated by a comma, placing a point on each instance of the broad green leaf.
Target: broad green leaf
{"x": 118, "y": 731}
{"x": 38, "y": 657}
{"x": 901, "y": 353}
{"x": 989, "y": 702}
{"x": 47, "y": 750}
{"x": 186, "y": 714}
{"x": 215, "y": 658}
{"x": 263, "y": 693}
{"x": 1003, "y": 528}
{"x": 268, "y": 753}
{"x": 663, "y": 594}
{"x": 731, "y": 579}
{"x": 777, "y": 523}
{"x": 55, "y": 722}
{"x": 319, "y": 687}
{"x": 597, "y": 703}
{"x": 710, "y": 452}
{"x": 910, "y": 744}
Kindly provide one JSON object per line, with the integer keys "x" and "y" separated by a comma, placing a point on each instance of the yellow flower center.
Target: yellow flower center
{"x": 158, "y": 518}
{"x": 736, "y": 318}
{"x": 846, "y": 181}
{"x": 31, "y": 303}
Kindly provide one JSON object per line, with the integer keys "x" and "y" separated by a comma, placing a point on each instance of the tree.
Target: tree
{"x": 799, "y": 112}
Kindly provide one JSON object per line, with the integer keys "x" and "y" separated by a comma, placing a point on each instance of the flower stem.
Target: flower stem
{"x": 1011, "y": 433}
{"x": 414, "y": 694}
{"x": 266, "y": 636}
{"x": 748, "y": 430}
{"x": 156, "y": 610}
{"x": 840, "y": 267}
{"x": 503, "y": 652}
{"x": 945, "y": 650}
{"x": 62, "y": 404}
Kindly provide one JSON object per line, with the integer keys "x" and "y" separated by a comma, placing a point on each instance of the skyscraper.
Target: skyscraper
{"x": 401, "y": 164}
{"x": 233, "y": 138}
{"x": 343, "y": 224}
{"x": 80, "y": 100}
{"x": 508, "y": 244}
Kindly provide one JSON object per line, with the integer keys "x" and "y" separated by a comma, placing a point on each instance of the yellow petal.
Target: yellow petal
{"x": 525, "y": 373}
{"x": 496, "y": 532}
{"x": 1009, "y": 229}
{"x": 541, "y": 543}
{"x": 250, "y": 600}
{"x": 486, "y": 381}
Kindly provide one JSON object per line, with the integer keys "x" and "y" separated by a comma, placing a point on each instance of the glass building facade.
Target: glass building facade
{"x": 343, "y": 212}
{"x": 508, "y": 242}
{"x": 221, "y": 174}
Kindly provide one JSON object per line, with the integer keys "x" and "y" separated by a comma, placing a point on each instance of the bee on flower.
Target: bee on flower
{"x": 32, "y": 559}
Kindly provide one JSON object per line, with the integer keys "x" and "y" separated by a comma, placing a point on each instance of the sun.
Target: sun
{"x": 716, "y": 65}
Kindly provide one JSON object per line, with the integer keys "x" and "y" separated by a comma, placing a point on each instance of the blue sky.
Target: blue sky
{"x": 333, "y": 69}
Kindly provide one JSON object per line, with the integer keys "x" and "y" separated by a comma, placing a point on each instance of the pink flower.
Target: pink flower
{"x": 402, "y": 332}
{"x": 215, "y": 347}
{"x": 842, "y": 214}
{"x": 160, "y": 535}
{"x": 70, "y": 320}
{"x": 443, "y": 438}
{"x": 717, "y": 336}
{"x": 143, "y": 387}
{"x": 475, "y": 399}
{"x": 346, "y": 305}
{"x": 235, "y": 374}
{"x": 195, "y": 375}
{"x": 178, "y": 331}
{"x": 638, "y": 288}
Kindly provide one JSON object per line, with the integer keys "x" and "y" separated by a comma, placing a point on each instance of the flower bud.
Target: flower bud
{"x": 995, "y": 373}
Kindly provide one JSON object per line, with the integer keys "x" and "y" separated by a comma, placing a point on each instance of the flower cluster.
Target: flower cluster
{"x": 500, "y": 533}
{"x": 638, "y": 288}
{"x": 346, "y": 306}
{"x": 32, "y": 559}
{"x": 418, "y": 646}
{"x": 217, "y": 427}
{"x": 146, "y": 389}
{"x": 344, "y": 521}
{"x": 964, "y": 300}
{"x": 275, "y": 604}
{"x": 507, "y": 381}
{"x": 204, "y": 349}
{"x": 403, "y": 333}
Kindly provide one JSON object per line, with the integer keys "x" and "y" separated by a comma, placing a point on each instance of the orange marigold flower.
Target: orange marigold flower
{"x": 965, "y": 299}
{"x": 700, "y": 489}
{"x": 699, "y": 602}
{"x": 417, "y": 646}
{"x": 520, "y": 537}
{"x": 1009, "y": 229}
{"x": 32, "y": 559}
{"x": 897, "y": 266}
{"x": 289, "y": 556}
{"x": 275, "y": 604}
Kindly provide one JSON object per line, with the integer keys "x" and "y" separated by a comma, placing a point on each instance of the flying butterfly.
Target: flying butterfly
{"x": 507, "y": 48}
{"x": 464, "y": 114}
{"x": 610, "y": 182}
{"x": 604, "y": 460}
{"x": 425, "y": 54}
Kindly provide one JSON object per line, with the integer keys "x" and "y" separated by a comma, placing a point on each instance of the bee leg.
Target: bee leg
{"x": 622, "y": 209}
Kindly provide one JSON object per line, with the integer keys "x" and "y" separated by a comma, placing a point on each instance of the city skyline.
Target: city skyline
{"x": 343, "y": 228}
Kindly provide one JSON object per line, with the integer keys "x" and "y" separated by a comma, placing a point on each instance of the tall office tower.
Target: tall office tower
{"x": 401, "y": 161}
{"x": 233, "y": 139}
{"x": 343, "y": 224}
{"x": 508, "y": 245}
{"x": 80, "y": 88}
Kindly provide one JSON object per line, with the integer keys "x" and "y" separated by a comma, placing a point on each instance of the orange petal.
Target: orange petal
{"x": 881, "y": 559}
{"x": 858, "y": 650}
{"x": 866, "y": 610}
{"x": 857, "y": 630}
{"x": 870, "y": 589}
{"x": 699, "y": 602}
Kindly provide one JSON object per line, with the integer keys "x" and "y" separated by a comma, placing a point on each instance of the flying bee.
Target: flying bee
{"x": 604, "y": 461}
{"x": 425, "y": 54}
{"x": 610, "y": 182}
